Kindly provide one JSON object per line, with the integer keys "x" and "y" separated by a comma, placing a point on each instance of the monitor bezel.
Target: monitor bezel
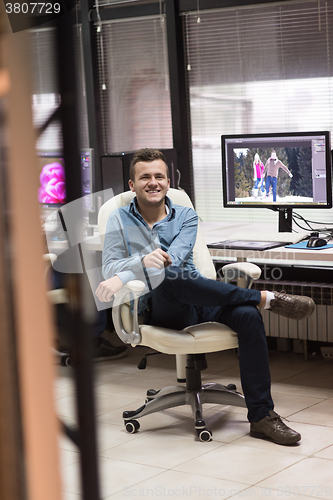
{"x": 276, "y": 205}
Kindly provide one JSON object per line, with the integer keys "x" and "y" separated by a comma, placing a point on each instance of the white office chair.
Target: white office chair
{"x": 194, "y": 341}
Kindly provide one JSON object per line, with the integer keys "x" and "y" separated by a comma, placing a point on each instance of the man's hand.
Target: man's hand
{"x": 158, "y": 258}
{"x": 106, "y": 289}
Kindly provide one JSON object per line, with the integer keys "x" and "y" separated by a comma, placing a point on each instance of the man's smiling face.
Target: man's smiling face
{"x": 151, "y": 183}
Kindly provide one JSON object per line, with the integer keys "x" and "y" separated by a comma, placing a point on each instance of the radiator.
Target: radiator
{"x": 319, "y": 326}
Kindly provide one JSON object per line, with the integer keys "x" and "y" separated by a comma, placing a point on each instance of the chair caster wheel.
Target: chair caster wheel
{"x": 66, "y": 360}
{"x": 151, "y": 393}
{"x": 132, "y": 426}
{"x": 231, "y": 387}
{"x": 205, "y": 435}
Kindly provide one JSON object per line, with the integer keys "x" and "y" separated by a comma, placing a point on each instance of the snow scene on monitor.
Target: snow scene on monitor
{"x": 281, "y": 175}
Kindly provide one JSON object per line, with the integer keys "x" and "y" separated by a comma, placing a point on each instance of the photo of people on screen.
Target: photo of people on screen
{"x": 258, "y": 176}
{"x": 272, "y": 171}
{"x": 273, "y": 175}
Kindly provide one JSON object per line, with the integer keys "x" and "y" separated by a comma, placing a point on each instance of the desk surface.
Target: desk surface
{"x": 218, "y": 231}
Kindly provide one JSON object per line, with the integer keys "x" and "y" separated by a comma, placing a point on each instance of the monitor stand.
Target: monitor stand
{"x": 285, "y": 220}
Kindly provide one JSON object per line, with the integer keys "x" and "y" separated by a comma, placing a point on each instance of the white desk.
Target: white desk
{"x": 218, "y": 231}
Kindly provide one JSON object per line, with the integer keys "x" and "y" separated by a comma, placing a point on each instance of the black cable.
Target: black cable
{"x": 297, "y": 216}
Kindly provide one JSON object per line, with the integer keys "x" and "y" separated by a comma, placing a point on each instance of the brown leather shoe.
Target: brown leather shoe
{"x": 292, "y": 306}
{"x": 274, "y": 429}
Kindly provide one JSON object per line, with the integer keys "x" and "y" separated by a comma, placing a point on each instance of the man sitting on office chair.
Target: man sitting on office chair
{"x": 183, "y": 297}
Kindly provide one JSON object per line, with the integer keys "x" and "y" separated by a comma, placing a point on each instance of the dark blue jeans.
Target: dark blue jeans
{"x": 271, "y": 181}
{"x": 185, "y": 299}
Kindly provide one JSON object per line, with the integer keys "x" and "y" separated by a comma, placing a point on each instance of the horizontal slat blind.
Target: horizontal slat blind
{"x": 46, "y": 98}
{"x": 134, "y": 84}
{"x": 255, "y": 69}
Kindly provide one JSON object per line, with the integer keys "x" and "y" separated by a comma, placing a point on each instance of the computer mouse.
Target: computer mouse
{"x": 315, "y": 242}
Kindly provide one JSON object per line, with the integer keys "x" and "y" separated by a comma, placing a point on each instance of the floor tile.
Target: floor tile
{"x": 114, "y": 475}
{"x": 161, "y": 450}
{"x": 106, "y": 376}
{"x": 316, "y": 382}
{"x": 68, "y": 420}
{"x": 166, "y": 453}
{"x": 70, "y": 496}
{"x": 67, "y": 457}
{"x": 312, "y": 477}
{"x": 61, "y": 392}
{"x": 114, "y": 402}
{"x": 110, "y": 436}
{"x": 288, "y": 364}
{"x": 239, "y": 463}
{"x": 229, "y": 375}
{"x": 326, "y": 453}
{"x": 319, "y": 414}
{"x": 107, "y": 402}
{"x": 263, "y": 493}
{"x": 136, "y": 386}
{"x": 65, "y": 407}
{"x": 287, "y": 404}
{"x": 174, "y": 484}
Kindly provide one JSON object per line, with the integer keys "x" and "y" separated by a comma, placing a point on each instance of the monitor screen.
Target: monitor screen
{"x": 52, "y": 185}
{"x": 282, "y": 170}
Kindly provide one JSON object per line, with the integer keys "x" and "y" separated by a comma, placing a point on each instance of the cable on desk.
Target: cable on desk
{"x": 297, "y": 216}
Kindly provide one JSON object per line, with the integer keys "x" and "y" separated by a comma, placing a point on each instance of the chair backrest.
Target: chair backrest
{"x": 201, "y": 255}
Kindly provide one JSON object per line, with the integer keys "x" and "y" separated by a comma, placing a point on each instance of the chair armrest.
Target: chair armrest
{"x": 246, "y": 270}
{"x": 131, "y": 291}
{"x": 50, "y": 258}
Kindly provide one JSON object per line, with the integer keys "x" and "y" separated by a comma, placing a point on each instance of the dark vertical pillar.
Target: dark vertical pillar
{"x": 179, "y": 95}
{"x": 79, "y": 328}
{"x": 91, "y": 81}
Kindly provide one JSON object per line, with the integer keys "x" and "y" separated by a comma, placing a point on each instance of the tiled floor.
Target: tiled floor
{"x": 165, "y": 459}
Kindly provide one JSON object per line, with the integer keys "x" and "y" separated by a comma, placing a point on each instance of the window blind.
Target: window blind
{"x": 134, "y": 84}
{"x": 257, "y": 69}
{"x": 45, "y": 93}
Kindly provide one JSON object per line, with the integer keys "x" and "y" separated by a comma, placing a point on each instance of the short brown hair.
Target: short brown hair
{"x": 148, "y": 155}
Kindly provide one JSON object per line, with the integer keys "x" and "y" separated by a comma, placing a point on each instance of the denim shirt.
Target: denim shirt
{"x": 128, "y": 239}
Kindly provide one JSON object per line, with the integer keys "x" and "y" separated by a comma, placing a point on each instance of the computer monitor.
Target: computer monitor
{"x": 279, "y": 171}
{"x": 52, "y": 183}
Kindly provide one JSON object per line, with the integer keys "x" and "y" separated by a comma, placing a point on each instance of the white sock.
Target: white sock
{"x": 269, "y": 297}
